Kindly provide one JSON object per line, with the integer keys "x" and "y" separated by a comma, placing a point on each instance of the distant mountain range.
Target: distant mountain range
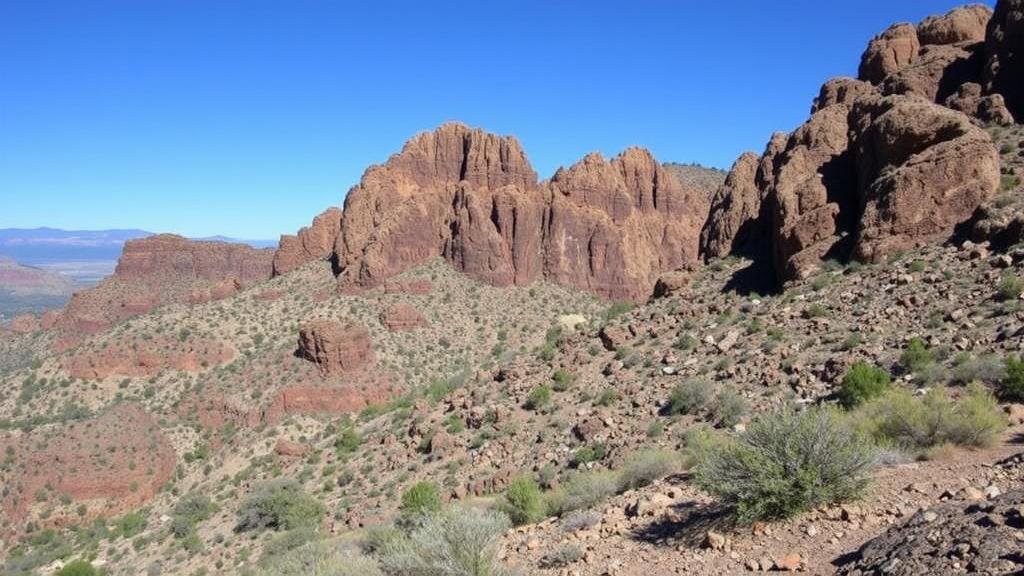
{"x": 37, "y": 246}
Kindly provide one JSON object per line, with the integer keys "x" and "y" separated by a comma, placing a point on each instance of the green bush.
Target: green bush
{"x": 785, "y": 464}
{"x": 455, "y": 542}
{"x": 279, "y": 504}
{"x": 861, "y": 383}
{"x": 78, "y": 568}
{"x": 582, "y": 490}
{"x": 589, "y": 453}
{"x": 728, "y": 408}
{"x": 563, "y": 380}
{"x": 421, "y": 499}
{"x": 319, "y": 559}
{"x": 523, "y": 502}
{"x": 1010, "y": 287}
{"x": 348, "y": 441}
{"x": 192, "y": 509}
{"x": 645, "y": 466}
{"x": 917, "y": 423}
{"x": 689, "y": 397}
{"x": 916, "y": 356}
{"x": 1012, "y": 386}
{"x": 539, "y": 397}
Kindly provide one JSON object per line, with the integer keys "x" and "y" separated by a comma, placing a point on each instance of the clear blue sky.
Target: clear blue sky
{"x": 248, "y": 117}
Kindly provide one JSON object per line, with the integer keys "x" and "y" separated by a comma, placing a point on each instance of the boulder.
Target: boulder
{"x": 937, "y": 72}
{"x": 841, "y": 90}
{"x": 401, "y": 318}
{"x": 961, "y": 24}
{"x": 336, "y": 346}
{"x": 1004, "y": 50}
{"x": 889, "y": 52}
{"x": 922, "y": 169}
{"x": 986, "y": 109}
{"x": 735, "y": 208}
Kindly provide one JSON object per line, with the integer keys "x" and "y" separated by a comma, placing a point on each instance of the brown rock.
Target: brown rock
{"x": 888, "y": 52}
{"x": 326, "y": 400}
{"x": 415, "y": 287}
{"x": 169, "y": 256}
{"x": 990, "y": 109}
{"x": 336, "y": 347}
{"x": 734, "y": 210}
{"x": 402, "y": 317}
{"x": 672, "y": 283}
{"x": 611, "y": 227}
{"x": 24, "y": 324}
{"x": 841, "y": 90}
{"x": 961, "y": 24}
{"x": 146, "y": 358}
{"x": 285, "y": 447}
{"x": 937, "y": 72}
{"x": 315, "y": 242}
{"x": 789, "y": 563}
{"x": 1004, "y": 49}
{"x": 811, "y": 179}
{"x": 614, "y": 336}
{"x": 923, "y": 169}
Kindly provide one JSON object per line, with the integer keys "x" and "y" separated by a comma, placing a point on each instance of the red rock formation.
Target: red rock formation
{"x": 315, "y": 242}
{"x": 24, "y": 324}
{"x": 112, "y": 463}
{"x": 888, "y": 52}
{"x": 937, "y": 72}
{"x": 985, "y": 108}
{"x": 841, "y": 90}
{"x": 614, "y": 227}
{"x": 606, "y": 226}
{"x": 1004, "y": 49}
{"x": 402, "y": 317}
{"x": 331, "y": 400}
{"x": 416, "y": 287}
{"x": 156, "y": 271}
{"x": 336, "y": 347}
{"x": 146, "y": 358}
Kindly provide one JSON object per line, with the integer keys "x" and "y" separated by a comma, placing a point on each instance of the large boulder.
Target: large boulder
{"x": 985, "y": 108}
{"x": 841, "y": 90}
{"x": 921, "y": 168}
{"x": 335, "y": 346}
{"x": 1004, "y": 49}
{"x": 314, "y": 242}
{"x": 402, "y": 318}
{"x": 889, "y": 52}
{"x": 961, "y": 24}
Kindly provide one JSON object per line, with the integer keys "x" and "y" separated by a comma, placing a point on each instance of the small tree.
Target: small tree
{"x": 1012, "y": 386}
{"x": 539, "y": 397}
{"x": 862, "y": 382}
{"x": 916, "y": 356}
{"x": 279, "y": 504}
{"x": 422, "y": 499}
{"x": 689, "y": 397}
{"x": 458, "y": 541}
{"x": 78, "y": 568}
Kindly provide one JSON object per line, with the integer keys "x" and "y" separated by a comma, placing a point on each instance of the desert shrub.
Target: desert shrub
{"x": 916, "y": 356}
{"x": 320, "y": 559}
{"x": 689, "y": 397}
{"x": 523, "y": 502}
{"x": 785, "y": 464}
{"x": 986, "y": 369}
{"x": 455, "y": 542}
{"x": 728, "y": 408}
{"x": 582, "y": 490}
{"x": 283, "y": 543}
{"x": 420, "y": 500}
{"x": 1010, "y": 287}
{"x": 563, "y": 380}
{"x": 608, "y": 397}
{"x": 281, "y": 505}
{"x": 78, "y": 568}
{"x": 1012, "y": 385}
{"x": 645, "y": 466}
{"x": 562, "y": 557}
{"x": 918, "y": 423}
{"x": 589, "y": 453}
{"x": 862, "y": 382}
{"x": 192, "y": 509}
{"x": 539, "y": 397}
{"x": 348, "y": 441}
{"x": 581, "y": 520}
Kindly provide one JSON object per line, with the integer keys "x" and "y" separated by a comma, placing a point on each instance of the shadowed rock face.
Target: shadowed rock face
{"x": 736, "y": 205}
{"x": 1004, "y": 48}
{"x": 607, "y": 226}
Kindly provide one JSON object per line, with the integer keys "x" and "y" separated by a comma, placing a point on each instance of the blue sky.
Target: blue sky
{"x": 248, "y": 117}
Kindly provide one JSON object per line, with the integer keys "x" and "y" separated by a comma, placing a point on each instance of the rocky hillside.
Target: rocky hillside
{"x": 464, "y": 334}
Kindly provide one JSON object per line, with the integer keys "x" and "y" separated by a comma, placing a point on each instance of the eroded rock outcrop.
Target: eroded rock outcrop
{"x": 961, "y": 24}
{"x": 146, "y": 358}
{"x": 336, "y": 346}
{"x": 984, "y": 108}
{"x": 922, "y": 169}
{"x": 889, "y": 52}
{"x": 1004, "y": 49}
{"x": 402, "y": 318}
{"x": 734, "y": 210}
{"x": 608, "y": 226}
{"x": 315, "y": 242}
